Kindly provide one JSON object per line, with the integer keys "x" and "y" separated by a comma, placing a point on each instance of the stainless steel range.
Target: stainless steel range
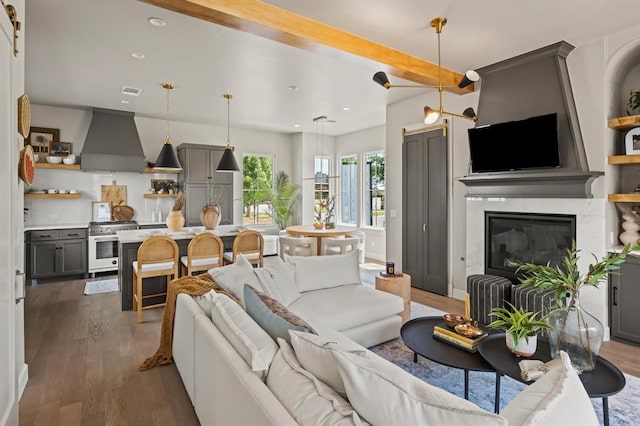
{"x": 103, "y": 244}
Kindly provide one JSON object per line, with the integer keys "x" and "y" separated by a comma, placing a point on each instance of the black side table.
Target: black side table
{"x": 417, "y": 334}
{"x": 601, "y": 382}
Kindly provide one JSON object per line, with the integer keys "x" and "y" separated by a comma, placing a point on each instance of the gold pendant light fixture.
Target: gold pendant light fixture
{"x": 228, "y": 161}
{"x": 167, "y": 160}
{"x": 431, "y": 115}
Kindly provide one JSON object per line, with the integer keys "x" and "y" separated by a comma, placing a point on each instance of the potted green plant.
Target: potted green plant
{"x": 634, "y": 102}
{"x": 575, "y": 331}
{"x": 284, "y": 196}
{"x": 521, "y": 328}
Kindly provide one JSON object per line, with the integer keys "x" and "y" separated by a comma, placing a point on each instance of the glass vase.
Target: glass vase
{"x": 576, "y": 332}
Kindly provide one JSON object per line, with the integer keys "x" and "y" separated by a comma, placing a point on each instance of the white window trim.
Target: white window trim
{"x": 273, "y": 176}
{"x": 329, "y": 173}
{"x": 339, "y": 189}
{"x": 364, "y": 192}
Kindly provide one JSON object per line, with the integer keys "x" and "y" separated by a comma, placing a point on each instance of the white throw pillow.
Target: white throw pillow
{"x": 309, "y": 401}
{"x": 407, "y": 399}
{"x": 253, "y": 344}
{"x": 318, "y": 272}
{"x": 233, "y": 277}
{"x": 277, "y": 281}
{"x": 558, "y": 397}
{"x": 315, "y": 354}
{"x": 205, "y": 302}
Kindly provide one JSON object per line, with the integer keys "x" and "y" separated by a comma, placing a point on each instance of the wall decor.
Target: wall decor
{"x": 59, "y": 149}
{"x": 632, "y": 141}
{"x": 162, "y": 186}
{"x": 39, "y": 138}
{"x": 24, "y": 115}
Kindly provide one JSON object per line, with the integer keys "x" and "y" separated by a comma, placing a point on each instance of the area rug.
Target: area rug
{"x": 102, "y": 286}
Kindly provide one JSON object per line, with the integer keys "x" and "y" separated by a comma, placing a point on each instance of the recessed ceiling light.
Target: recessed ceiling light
{"x": 124, "y": 102}
{"x": 137, "y": 55}
{"x": 292, "y": 88}
{"x": 157, "y": 22}
{"x": 296, "y": 125}
{"x": 346, "y": 109}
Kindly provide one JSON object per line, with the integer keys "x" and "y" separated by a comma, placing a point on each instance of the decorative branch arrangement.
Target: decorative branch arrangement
{"x": 179, "y": 203}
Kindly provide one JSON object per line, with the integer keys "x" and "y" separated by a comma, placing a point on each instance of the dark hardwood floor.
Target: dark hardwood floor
{"x": 83, "y": 353}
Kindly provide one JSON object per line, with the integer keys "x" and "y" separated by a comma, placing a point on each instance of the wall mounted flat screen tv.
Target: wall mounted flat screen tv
{"x": 515, "y": 145}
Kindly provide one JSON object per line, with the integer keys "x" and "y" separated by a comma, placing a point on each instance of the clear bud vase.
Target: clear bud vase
{"x": 576, "y": 332}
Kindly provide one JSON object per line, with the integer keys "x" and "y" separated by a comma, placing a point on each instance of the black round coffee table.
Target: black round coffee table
{"x": 601, "y": 382}
{"x": 417, "y": 334}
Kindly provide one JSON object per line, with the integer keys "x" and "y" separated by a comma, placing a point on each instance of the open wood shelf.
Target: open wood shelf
{"x": 56, "y": 196}
{"x": 58, "y": 166}
{"x": 160, "y": 195}
{"x": 624, "y": 198}
{"x": 624, "y": 159}
{"x": 624, "y": 123}
{"x": 154, "y": 170}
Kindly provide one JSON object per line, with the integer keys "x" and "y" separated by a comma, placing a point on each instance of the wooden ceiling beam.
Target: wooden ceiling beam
{"x": 274, "y": 23}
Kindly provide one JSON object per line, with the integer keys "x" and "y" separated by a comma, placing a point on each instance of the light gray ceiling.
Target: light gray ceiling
{"x": 78, "y": 54}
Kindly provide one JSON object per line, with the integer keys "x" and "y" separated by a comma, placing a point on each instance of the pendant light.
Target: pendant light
{"x": 228, "y": 161}
{"x": 167, "y": 160}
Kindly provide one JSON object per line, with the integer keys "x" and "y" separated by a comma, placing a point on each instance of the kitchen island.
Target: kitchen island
{"x": 128, "y": 243}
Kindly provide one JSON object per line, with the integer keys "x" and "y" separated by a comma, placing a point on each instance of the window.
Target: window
{"x": 321, "y": 175}
{"x": 373, "y": 204}
{"x": 257, "y": 179}
{"x": 349, "y": 190}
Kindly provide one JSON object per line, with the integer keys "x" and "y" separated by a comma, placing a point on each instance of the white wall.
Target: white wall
{"x": 361, "y": 142}
{"x": 74, "y": 124}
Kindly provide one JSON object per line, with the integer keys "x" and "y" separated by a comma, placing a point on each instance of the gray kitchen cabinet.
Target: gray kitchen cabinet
{"x": 55, "y": 253}
{"x": 624, "y": 295}
{"x": 199, "y": 164}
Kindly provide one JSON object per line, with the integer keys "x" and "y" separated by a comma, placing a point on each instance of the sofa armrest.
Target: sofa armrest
{"x": 184, "y": 340}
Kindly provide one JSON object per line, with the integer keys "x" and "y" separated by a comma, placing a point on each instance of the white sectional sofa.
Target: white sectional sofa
{"x": 225, "y": 390}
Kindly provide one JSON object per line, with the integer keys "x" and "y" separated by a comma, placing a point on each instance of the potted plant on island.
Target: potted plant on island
{"x": 284, "y": 197}
{"x": 521, "y": 328}
{"x": 574, "y": 331}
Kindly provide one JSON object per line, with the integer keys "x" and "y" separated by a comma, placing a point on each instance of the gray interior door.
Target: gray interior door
{"x": 424, "y": 225}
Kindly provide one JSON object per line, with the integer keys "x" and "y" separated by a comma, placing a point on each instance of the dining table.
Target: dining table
{"x": 311, "y": 231}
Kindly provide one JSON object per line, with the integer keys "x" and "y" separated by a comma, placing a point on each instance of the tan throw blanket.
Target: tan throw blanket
{"x": 193, "y": 286}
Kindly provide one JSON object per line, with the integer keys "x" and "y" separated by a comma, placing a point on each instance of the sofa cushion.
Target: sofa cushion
{"x": 318, "y": 272}
{"x": 308, "y": 400}
{"x": 274, "y": 318}
{"x": 233, "y": 277}
{"x": 253, "y": 344}
{"x": 347, "y": 306}
{"x": 276, "y": 279}
{"x": 315, "y": 354}
{"x": 407, "y": 399}
{"x": 558, "y": 397}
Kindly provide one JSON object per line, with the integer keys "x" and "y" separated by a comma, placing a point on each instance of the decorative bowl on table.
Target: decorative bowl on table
{"x": 453, "y": 319}
{"x": 468, "y": 330}
{"x": 54, "y": 160}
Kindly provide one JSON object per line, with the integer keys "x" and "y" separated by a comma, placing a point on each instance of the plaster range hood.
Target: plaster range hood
{"x": 532, "y": 84}
{"x": 112, "y": 143}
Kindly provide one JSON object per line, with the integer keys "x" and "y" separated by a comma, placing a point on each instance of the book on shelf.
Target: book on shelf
{"x": 456, "y": 343}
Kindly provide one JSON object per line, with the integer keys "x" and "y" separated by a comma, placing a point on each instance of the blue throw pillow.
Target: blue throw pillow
{"x": 272, "y": 316}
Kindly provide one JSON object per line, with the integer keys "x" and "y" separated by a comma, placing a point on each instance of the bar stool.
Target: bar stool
{"x": 297, "y": 246}
{"x": 157, "y": 257}
{"x": 338, "y": 245}
{"x": 204, "y": 252}
{"x": 248, "y": 243}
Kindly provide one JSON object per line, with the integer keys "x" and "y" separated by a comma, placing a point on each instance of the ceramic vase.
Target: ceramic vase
{"x": 526, "y": 346}
{"x": 576, "y": 332}
{"x": 210, "y": 216}
{"x": 631, "y": 228}
{"x": 175, "y": 220}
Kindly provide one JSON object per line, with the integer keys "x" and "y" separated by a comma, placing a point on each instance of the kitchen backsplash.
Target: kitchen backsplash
{"x": 89, "y": 185}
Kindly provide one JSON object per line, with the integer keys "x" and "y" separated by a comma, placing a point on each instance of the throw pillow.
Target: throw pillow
{"x": 233, "y": 277}
{"x": 309, "y": 401}
{"x": 318, "y": 272}
{"x": 253, "y": 344}
{"x": 315, "y": 354}
{"x": 407, "y": 399}
{"x": 277, "y": 281}
{"x": 274, "y": 318}
{"x": 558, "y": 397}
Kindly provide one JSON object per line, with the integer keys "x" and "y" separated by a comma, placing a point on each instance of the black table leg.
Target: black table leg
{"x": 605, "y": 410}
{"x": 496, "y": 406}
{"x": 466, "y": 384}
{"x": 415, "y": 357}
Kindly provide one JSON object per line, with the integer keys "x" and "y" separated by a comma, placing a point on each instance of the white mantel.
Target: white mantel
{"x": 590, "y": 236}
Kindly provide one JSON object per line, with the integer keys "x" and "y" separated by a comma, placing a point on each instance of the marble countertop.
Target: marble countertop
{"x": 55, "y": 226}
{"x": 618, "y": 249}
{"x": 140, "y": 235}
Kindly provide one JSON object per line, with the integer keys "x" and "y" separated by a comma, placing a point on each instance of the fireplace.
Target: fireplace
{"x": 525, "y": 237}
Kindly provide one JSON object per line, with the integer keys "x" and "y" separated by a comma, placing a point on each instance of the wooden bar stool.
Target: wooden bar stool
{"x": 248, "y": 243}
{"x": 157, "y": 257}
{"x": 204, "y": 252}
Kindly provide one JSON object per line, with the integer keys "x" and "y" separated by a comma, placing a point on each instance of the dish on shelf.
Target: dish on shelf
{"x": 52, "y": 191}
{"x": 68, "y": 160}
{"x": 54, "y": 160}
{"x": 39, "y": 191}
{"x": 73, "y": 191}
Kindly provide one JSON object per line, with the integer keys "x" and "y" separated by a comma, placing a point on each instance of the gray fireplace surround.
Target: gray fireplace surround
{"x": 532, "y": 84}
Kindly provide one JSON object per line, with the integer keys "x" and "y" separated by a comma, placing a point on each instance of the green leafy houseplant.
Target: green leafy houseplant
{"x": 634, "y": 102}
{"x": 520, "y": 324}
{"x": 284, "y": 196}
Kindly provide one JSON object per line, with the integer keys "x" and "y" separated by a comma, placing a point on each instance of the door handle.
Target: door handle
{"x": 614, "y": 296}
{"x": 424, "y": 227}
{"x": 20, "y": 286}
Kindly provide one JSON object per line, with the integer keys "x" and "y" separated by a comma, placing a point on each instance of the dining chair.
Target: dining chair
{"x": 297, "y": 246}
{"x": 339, "y": 245}
{"x": 157, "y": 257}
{"x": 248, "y": 243}
{"x": 204, "y": 252}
